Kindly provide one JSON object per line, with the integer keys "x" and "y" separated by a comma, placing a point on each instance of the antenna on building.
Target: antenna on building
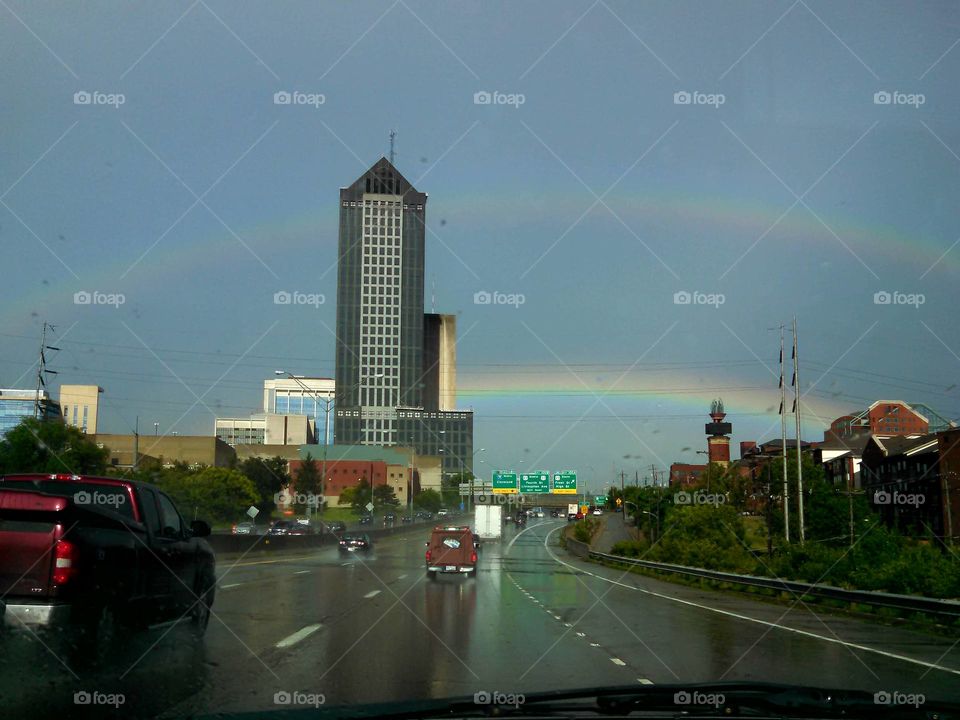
{"x": 393, "y": 137}
{"x": 433, "y": 293}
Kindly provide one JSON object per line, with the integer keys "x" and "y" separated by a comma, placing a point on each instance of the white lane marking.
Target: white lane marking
{"x": 644, "y": 681}
{"x": 231, "y": 585}
{"x": 302, "y": 572}
{"x": 806, "y": 633}
{"x": 580, "y": 634}
{"x": 298, "y": 636}
{"x": 401, "y": 577}
{"x": 345, "y": 564}
{"x": 568, "y": 624}
{"x": 594, "y": 644}
{"x": 617, "y": 661}
{"x": 372, "y": 593}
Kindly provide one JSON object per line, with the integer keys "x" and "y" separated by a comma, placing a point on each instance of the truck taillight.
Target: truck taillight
{"x": 428, "y": 556}
{"x": 65, "y": 557}
{"x": 473, "y": 557}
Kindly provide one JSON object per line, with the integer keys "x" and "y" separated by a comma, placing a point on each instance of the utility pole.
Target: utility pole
{"x": 783, "y": 445}
{"x": 796, "y": 414}
{"x": 42, "y": 368}
{"x": 621, "y": 483}
{"x": 136, "y": 444}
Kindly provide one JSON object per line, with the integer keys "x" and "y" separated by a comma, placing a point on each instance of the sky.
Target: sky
{"x": 590, "y": 165}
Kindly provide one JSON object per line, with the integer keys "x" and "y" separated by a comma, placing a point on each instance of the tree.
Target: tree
{"x": 308, "y": 485}
{"x": 269, "y": 476}
{"x": 385, "y": 496}
{"x": 49, "y": 446}
{"x": 359, "y": 496}
{"x": 213, "y": 494}
{"x": 429, "y": 500}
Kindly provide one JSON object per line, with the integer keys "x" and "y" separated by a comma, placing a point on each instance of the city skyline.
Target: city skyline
{"x": 585, "y": 208}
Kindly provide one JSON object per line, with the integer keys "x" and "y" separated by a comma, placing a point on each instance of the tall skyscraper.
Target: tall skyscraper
{"x": 387, "y": 392}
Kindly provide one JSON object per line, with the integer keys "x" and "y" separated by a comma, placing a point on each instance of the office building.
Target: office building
{"x": 267, "y": 429}
{"x": 395, "y": 371}
{"x": 301, "y": 395}
{"x": 15, "y": 405}
{"x": 81, "y": 406}
{"x": 295, "y": 412}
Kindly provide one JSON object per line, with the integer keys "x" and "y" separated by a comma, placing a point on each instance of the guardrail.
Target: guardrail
{"x": 945, "y": 609}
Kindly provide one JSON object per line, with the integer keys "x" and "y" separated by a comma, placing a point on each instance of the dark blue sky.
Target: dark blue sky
{"x": 816, "y": 164}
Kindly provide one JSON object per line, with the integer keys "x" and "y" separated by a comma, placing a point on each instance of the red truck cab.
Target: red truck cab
{"x": 94, "y": 553}
{"x": 451, "y": 549}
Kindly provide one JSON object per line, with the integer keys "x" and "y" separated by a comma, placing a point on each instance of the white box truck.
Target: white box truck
{"x": 488, "y": 522}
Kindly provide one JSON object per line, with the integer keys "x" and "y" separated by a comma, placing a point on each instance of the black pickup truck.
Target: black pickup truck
{"x": 90, "y": 555}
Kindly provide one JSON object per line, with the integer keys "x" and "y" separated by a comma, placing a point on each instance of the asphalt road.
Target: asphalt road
{"x": 374, "y": 628}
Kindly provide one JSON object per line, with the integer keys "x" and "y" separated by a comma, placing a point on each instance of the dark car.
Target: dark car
{"x": 366, "y": 520}
{"x": 407, "y": 519}
{"x": 476, "y": 542}
{"x": 354, "y": 542}
{"x": 520, "y": 518}
{"x": 280, "y": 527}
{"x": 389, "y": 518}
{"x": 336, "y": 527}
{"x": 100, "y": 556}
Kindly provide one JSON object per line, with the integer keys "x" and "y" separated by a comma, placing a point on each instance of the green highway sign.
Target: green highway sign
{"x": 504, "y": 482}
{"x": 564, "y": 483}
{"x": 601, "y": 499}
{"x": 535, "y": 482}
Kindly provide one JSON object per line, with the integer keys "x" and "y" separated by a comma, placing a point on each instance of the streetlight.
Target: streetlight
{"x": 472, "y": 474}
{"x": 156, "y": 429}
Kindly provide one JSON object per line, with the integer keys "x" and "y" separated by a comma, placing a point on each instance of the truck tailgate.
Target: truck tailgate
{"x": 30, "y": 525}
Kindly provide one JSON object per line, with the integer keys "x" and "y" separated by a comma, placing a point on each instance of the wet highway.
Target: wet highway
{"x": 373, "y": 628}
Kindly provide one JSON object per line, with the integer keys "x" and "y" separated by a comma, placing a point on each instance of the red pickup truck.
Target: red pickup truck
{"x": 95, "y": 554}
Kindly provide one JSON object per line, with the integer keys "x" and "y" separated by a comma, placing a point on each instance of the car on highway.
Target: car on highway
{"x": 355, "y": 542}
{"x": 476, "y": 542}
{"x": 407, "y": 519}
{"x": 365, "y": 520}
{"x": 442, "y": 512}
{"x": 389, "y": 518}
{"x": 451, "y": 549}
{"x": 336, "y": 527}
{"x": 597, "y": 511}
{"x": 290, "y": 527}
{"x": 99, "y": 557}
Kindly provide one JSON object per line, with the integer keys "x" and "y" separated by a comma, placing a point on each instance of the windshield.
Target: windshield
{"x": 650, "y": 308}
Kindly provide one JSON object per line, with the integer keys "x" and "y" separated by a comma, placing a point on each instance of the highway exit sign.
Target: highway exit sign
{"x": 505, "y": 482}
{"x": 564, "y": 483}
{"x": 535, "y": 482}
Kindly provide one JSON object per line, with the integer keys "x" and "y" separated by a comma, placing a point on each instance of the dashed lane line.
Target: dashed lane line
{"x": 299, "y": 635}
